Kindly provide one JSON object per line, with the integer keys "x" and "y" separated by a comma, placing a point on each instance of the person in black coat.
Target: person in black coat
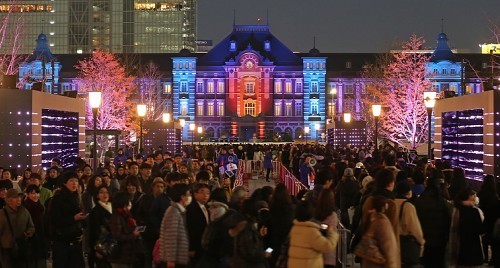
{"x": 99, "y": 225}
{"x": 65, "y": 219}
{"x": 434, "y": 213}
{"x": 348, "y": 195}
{"x": 281, "y": 218}
{"x": 197, "y": 219}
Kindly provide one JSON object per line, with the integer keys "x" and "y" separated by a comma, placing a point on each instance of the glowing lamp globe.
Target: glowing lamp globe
{"x": 166, "y": 117}
{"x": 429, "y": 99}
{"x": 306, "y": 130}
{"x": 376, "y": 109}
{"x": 141, "y": 110}
{"x": 95, "y": 99}
{"x": 200, "y": 130}
{"x": 182, "y": 122}
{"x": 347, "y": 117}
{"x": 192, "y": 127}
{"x": 317, "y": 127}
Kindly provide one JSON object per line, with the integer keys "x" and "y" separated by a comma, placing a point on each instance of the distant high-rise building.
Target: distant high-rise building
{"x": 119, "y": 26}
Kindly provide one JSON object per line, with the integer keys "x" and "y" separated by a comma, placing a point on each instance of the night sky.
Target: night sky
{"x": 354, "y": 25}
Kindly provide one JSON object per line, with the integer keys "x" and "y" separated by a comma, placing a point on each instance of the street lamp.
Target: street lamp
{"x": 306, "y": 131}
{"x": 166, "y": 117}
{"x": 317, "y": 127}
{"x": 192, "y": 127}
{"x": 95, "y": 102}
{"x": 376, "y": 109}
{"x": 141, "y": 112}
{"x": 347, "y": 117}
{"x": 429, "y": 101}
{"x": 200, "y": 130}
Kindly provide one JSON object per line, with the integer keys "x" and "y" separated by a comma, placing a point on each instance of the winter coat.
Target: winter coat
{"x": 348, "y": 193}
{"x": 281, "y": 219}
{"x": 307, "y": 245}
{"x": 21, "y": 222}
{"x": 129, "y": 245}
{"x": 174, "y": 242}
{"x": 409, "y": 223}
{"x": 99, "y": 218}
{"x": 268, "y": 160}
{"x": 380, "y": 230}
{"x": 330, "y": 257}
{"x": 62, "y": 209}
{"x": 434, "y": 213}
{"x": 248, "y": 247}
{"x": 466, "y": 226}
{"x": 36, "y": 211}
{"x": 216, "y": 209}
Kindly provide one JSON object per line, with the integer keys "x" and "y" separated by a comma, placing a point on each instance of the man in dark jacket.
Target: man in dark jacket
{"x": 348, "y": 194}
{"x": 197, "y": 219}
{"x": 66, "y": 221}
{"x": 434, "y": 213}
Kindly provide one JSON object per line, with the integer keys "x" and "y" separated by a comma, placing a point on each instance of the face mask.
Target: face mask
{"x": 476, "y": 201}
{"x": 188, "y": 201}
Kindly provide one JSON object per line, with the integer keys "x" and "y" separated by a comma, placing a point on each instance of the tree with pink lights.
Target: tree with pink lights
{"x": 103, "y": 72}
{"x": 400, "y": 89}
{"x": 15, "y": 28}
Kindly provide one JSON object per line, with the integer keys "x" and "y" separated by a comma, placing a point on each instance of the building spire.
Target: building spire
{"x": 314, "y": 41}
{"x": 234, "y": 17}
{"x": 442, "y": 25}
{"x": 267, "y": 17}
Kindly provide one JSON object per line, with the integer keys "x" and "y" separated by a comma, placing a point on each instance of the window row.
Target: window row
{"x": 444, "y": 71}
{"x": 210, "y": 87}
{"x": 287, "y": 86}
{"x": 205, "y": 108}
{"x": 286, "y": 108}
{"x": 315, "y": 65}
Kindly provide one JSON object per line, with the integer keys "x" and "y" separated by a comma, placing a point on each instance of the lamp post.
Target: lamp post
{"x": 192, "y": 127}
{"x": 95, "y": 102}
{"x": 347, "y": 119}
{"x": 376, "y": 109}
{"x": 166, "y": 119}
{"x": 141, "y": 112}
{"x": 306, "y": 131}
{"x": 317, "y": 128}
{"x": 429, "y": 101}
{"x": 200, "y": 130}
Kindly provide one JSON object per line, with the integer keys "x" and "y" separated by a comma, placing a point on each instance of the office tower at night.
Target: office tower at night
{"x": 119, "y": 26}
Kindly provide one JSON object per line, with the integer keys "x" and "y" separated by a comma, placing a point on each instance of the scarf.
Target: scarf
{"x": 106, "y": 206}
{"x": 125, "y": 213}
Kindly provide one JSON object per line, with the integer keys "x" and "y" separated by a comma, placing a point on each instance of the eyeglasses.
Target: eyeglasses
{"x": 105, "y": 174}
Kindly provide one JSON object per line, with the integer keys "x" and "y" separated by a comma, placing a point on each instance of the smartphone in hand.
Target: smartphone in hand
{"x": 140, "y": 229}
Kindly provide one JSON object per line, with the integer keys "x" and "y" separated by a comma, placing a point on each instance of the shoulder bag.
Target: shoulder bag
{"x": 410, "y": 248}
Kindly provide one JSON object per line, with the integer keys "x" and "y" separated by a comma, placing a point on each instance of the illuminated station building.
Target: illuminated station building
{"x": 253, "y": 87}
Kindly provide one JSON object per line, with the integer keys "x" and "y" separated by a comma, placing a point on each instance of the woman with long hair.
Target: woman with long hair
{"x": 37, "y": 211}
{"x": 281, "y": 219}
{"x": 99, "y": 224}
{"x": 489, "y": 204}
{"x": 325, "y": 214}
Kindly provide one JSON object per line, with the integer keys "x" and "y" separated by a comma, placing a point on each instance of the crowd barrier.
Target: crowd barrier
{"x": 343, "y": 247}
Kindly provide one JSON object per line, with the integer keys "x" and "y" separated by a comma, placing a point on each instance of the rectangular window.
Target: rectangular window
{"x": 348, "y": 64}
{"x": 331, "y": 108}
{"x": 453, "y": 88}
{"x": 277, "y": 87}
{"x": 435, "y": 87}
{"x": 314, "y": 107}
{"x": 167, "y": 88}
{"x": 314, "y": 87}
{"x": 249, "y": 88}
{"x": 199, "y": 87}
{"x": 435, "y": 71}
{"x": 444, "y": 71}
{"x": 298, "y": 108}
{"x": 210, "y": 88}
{"x": 288, "y": 87}
{"x": 220, "y": 87}
{"x": 184, "y": 108}
{"x": 468, "y": 89}
{"x": 298, "y": 87}
{"x": 288, "y": 109}
{"x": 349, "y": 89}
{"x": 210, "y": 109}
{"x": 220, "y": 109}
{"x": 349, "y": 106}
{"x": 250, "y": 108}
{"x": 184, "y": 87}
{"x": 453, "y": 71}
{"x": 277, "y": 108}
{"x": 199, "y": 108}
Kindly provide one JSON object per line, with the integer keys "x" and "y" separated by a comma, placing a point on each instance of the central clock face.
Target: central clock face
{"x": 249, "y": 64}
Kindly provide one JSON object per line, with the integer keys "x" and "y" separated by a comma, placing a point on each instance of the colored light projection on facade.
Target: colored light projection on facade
{"x": 250, "y": 86}
{"x": 462, "y": 141}
{"x": 59, "y": 136}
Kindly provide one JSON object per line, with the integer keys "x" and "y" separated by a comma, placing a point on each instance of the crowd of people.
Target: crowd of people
{"x": 182, "y": 210}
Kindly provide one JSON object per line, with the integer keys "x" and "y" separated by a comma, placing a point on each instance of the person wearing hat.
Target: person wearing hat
{"x": 348, "y": 195}
{"x": 15, "y": 223}
{"x": 66, "y": 219}
{"x": 408, "y": 219}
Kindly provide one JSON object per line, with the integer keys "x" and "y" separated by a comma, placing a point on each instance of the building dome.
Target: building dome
{"x": 314, "y": 52}
{"x": 41, "y": 37}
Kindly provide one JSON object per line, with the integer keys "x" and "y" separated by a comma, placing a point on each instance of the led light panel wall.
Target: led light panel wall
{"x": 59, "y": 136}
{"x": 462, "y": 141}
{"x": 352, "y": 133}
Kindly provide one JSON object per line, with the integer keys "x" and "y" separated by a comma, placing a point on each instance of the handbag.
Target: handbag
{"x": 106, "y": 245}
{"x": 368, "y": 249}
{"x": 23, "y": 246}
{"x": 410, "y": 248}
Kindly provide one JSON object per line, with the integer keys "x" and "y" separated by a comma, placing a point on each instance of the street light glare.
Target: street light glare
{"x": 306, "y": 130}
{"x": 429, "y": 99}
{"x": 95, "y": 99}
{"x": 192, "y": 127}
{"x": 166, "y": 117}
{"x": 182, "y": 122}
{"x": 376, "y": 109}
{"x": 347, "y": 117}
{"x": 141, "y": 110}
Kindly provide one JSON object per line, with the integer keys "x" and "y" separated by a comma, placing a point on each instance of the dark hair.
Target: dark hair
{"x": 401, "y": 176}
{"x": 390, "y": 160}
{"x": 132, "y": 180}
{"x": 384, "y": 178}
{"x": 203, "y": 176}
{"x": 91, "y": 184}
{"x": 325, "y": 205}
{"x": 145, "y": 166}
{"x": 219, "y": 195}
{"x": 249, "y": 208}
{"x": 172, "y": 176}
{"x": 132, "y": 164}
{"x": 462, "y": 196}
{"x": 267, "y": 192}
{"x": 489, "y": 184}
{"x": 200, "y": 186}
{"x": 35, "y": 176}
{"x": 418, "y": 177}
{"x": 324, "y": 175}
{"x": 98, "y": 189}
{"x": 458, "y": 173}
{"x": 120, "y": 200}
{"x": 378, "y": 203}
{"x": 32, "y": 188}
{"x": 177, "y": 191}
{"x": 304, "y": 210}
